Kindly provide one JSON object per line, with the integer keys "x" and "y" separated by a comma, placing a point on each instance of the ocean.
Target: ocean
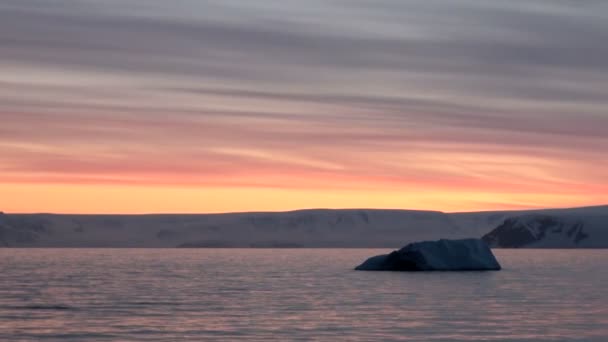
{"x": 296, "y": 295}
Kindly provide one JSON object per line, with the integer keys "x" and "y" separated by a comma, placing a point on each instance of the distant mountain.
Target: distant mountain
{"x": 557, "y": 230}
{"x": 306, "y": 228}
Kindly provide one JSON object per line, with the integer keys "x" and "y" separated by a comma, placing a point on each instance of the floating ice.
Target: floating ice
{"x": 442, "y": 255}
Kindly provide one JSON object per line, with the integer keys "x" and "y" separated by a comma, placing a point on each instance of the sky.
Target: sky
{"x": 141, "y": 106}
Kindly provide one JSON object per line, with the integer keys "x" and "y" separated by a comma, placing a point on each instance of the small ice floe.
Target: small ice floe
{"x": 441, "y": 255}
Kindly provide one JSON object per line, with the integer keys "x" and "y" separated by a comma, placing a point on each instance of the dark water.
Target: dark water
{"x": 295, "y": 294}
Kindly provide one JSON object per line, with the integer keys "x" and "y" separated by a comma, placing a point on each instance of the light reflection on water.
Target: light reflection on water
{"x": 296, "y": 294}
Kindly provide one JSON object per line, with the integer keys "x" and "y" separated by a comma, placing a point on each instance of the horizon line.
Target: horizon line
{"x": 302, "y": 209}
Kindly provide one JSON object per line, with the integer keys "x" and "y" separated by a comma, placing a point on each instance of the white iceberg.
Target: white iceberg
{"x": 442, "y": 255}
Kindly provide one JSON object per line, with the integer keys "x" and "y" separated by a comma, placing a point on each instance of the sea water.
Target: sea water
{"x": 296, "y": 294}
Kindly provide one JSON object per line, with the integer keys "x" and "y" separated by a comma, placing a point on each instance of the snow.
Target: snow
{"x": 303, "y": 228}
{"x": 441, "y": 255}
{"x": 570, "y": 229}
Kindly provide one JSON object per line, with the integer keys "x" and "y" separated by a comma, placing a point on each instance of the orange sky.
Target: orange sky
{"x": 121, "y": 163}
{"x": 273, "y": 192}
{"x": 302, "y": 105}
{"x": 170, "y": 199}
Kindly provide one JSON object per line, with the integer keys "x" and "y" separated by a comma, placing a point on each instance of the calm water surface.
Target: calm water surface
{"x": 295, "y": 294}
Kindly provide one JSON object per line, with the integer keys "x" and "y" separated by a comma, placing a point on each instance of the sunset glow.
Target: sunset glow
{"x": 159, "y": 108}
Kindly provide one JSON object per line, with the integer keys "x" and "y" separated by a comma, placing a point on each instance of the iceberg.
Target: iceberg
{"x": 441, "y": 255}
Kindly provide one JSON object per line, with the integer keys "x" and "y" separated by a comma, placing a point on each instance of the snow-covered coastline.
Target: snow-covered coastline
{"x": 304, "y": 228}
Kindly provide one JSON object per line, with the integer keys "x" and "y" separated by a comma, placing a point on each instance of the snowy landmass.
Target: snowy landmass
{"x": 441, "y": 255}
{"x": 560, "y": 230}
{"x": 303, "y": 228}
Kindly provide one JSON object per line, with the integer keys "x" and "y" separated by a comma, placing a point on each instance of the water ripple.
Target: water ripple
{"x": 298, "y": 294}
